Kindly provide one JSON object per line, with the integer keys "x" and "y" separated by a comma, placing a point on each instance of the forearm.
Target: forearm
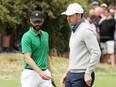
{"x": 31, "y": 63}
{"x": 49, "y": 63}
{"x": 66, "y": 72}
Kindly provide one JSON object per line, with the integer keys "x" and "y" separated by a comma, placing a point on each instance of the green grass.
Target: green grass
{"x": 9, "y": 83}
{"x": 11, "y": 66}
{"x": 105, "y": 81}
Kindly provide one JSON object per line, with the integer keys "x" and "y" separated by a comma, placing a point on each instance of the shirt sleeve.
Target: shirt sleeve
{"x": 91, "y": 42}
{"x": 26, "y": 44}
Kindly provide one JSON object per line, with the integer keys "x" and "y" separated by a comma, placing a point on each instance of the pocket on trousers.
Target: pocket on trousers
{"x": 25, "y": 74}
{"x": 48, "y": 72}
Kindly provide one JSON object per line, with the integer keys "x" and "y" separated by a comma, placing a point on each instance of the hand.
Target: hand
{"x": 63, "y": 79}
{"x": 88, "y": 79}
{"x": 44, "y": 76}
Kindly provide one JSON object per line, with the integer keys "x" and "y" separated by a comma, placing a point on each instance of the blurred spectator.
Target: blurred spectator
{"x": 95, "y": 4}
{"x": 91, "y": 20}
{"x": 103, "y": 9}
{"x": 115, "y": 15}
{"x": 103, "y": 16}
{"x": 97, "y": 19}
{"x": 91, "y": 11}
{"x": 107, "y": 28}
{"x": 98, "y": 12}
{"x": 112, "y": 11}
{"x": 104, "y": 6}
{"x": 110, "y": 6}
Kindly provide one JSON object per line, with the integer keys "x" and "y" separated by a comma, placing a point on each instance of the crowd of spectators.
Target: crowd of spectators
{"x": 102, "y": 17}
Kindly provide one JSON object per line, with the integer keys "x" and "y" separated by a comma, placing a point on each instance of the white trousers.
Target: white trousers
{"x": 31, "y": 78}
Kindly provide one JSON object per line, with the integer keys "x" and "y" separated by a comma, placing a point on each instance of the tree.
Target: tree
{"x": 13, "y": 14}
{"x": 14, "y": 19}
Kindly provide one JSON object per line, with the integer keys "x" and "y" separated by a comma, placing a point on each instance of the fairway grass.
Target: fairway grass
{"x": 11, "y": 65}
{"x": 105, "y": 81}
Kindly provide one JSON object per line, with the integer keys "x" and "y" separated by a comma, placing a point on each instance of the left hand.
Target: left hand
{"x": 88, "y": 79}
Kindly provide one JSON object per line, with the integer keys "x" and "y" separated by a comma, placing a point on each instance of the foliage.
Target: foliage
{"x": 56, "y": 25}
{"x": 13, "y": 15}
{"x": 14, "y": 19}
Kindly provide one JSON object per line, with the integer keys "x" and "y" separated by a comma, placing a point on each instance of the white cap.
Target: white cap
{"x": 72, "y": 9}
{"x": 103, "y": 5}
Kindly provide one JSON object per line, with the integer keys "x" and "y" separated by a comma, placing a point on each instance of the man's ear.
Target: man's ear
{"x": 31, "y": 22}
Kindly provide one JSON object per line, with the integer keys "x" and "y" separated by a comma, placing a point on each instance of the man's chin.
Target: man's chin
{"x": 37, "y": 29}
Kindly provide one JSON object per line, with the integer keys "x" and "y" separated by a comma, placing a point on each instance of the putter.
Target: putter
{"x": 53, "y": 83}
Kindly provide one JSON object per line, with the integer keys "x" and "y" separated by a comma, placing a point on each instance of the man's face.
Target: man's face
{"x": 36, "y": 25}
{"x": 92, "y": 20}
{"x": 73, "y": 19}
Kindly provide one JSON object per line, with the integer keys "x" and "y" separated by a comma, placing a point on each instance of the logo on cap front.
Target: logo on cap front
{"x": 36, "y": 14}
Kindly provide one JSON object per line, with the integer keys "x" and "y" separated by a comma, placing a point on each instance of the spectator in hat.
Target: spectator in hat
{"x": 104, "y": 8}
{"x": 95, "y": 4}
{"x": 36, "y": 72}
{"x": 84, "y": 50}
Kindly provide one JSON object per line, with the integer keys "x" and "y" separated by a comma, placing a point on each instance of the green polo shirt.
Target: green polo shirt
{"x": 37, "y": 46}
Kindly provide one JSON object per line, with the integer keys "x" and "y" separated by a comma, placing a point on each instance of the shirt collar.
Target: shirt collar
{"x": 77, "y": 25}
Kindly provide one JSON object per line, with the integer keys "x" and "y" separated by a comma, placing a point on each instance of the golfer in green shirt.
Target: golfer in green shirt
{"x": 35, "y": 47}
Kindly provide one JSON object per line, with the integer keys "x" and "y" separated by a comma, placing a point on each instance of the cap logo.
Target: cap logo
{"x": 36, "y": 14}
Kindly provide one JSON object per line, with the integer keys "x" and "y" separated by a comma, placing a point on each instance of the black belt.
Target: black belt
{"x": 28, "y": 68}
{"x": 32, "y": 69}
{"x": 43, "y": 69}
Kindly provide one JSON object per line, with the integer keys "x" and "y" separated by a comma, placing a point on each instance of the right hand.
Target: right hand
{"x": 44, "y": 76}
{"x": 63, "y": 79}
{"x": 88, "y": 79}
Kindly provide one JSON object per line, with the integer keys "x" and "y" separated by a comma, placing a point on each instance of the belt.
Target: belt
{"x": 28, "y": 68}
{"x": 32, "y": 69}
{"x": 43, "y": 69}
